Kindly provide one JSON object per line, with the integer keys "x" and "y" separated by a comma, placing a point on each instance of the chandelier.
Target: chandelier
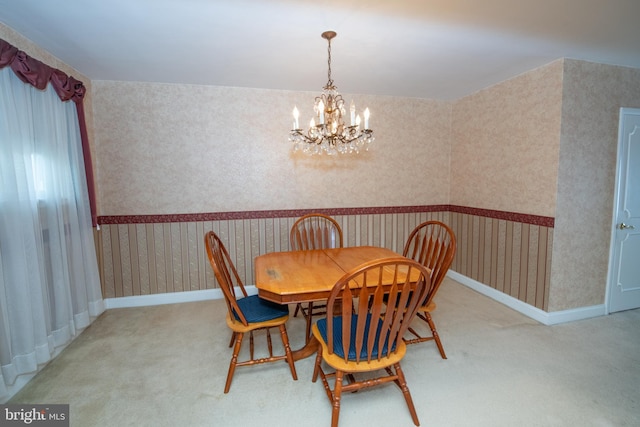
{"x": 327, "y": 131}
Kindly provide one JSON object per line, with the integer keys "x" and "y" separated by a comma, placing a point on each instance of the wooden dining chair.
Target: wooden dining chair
{"x": 432, "y": 244}
{"x": 309, "y": 232}
{"x": 361, "y": 334}
{"x": 246, "y": 313}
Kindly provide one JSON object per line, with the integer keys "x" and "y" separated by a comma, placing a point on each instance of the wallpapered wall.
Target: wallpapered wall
{"x": 167, "y": 149}
{"x": 505, "y": 144}
{"x": 180, "y": 149}
{"x": 553, "y": 129}
{"x": 592, "y": 97}
{"x": 499, "y": 149}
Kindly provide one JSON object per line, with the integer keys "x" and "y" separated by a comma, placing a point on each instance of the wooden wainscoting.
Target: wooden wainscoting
{"x": 145, "y": 258}
{"x": 511, "y": 255}
{"x": 146, "y": 255}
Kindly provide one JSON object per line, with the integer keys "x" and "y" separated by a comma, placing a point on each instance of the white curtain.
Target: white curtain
{"x": 49, "y": 281}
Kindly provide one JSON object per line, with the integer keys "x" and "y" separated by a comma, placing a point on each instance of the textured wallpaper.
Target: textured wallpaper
{"x": 167, "y": 148}
{"x": 592, "y": 97}
{"x": 505, "y": 144}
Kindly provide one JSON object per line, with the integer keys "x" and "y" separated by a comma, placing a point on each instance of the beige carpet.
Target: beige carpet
{"x": 166, "y": 366}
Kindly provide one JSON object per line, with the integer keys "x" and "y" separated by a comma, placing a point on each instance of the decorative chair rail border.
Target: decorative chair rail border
{"x": 292, "y": 213}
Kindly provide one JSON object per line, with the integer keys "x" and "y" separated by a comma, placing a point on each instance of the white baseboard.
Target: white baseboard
{"x": 534, "y": 313}
{"x": 541, "y": 316}
{"x": 169, "y": 298}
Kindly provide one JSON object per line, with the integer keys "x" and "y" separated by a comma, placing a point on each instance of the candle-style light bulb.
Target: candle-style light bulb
{"x": 296, "y": 115}
{"x": 352, "y": 110}
{"x": 366, "y": 118}
{"x": 321, "y": 112}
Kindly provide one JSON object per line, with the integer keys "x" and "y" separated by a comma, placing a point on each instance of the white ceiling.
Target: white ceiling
{"x": 440, "y": 49}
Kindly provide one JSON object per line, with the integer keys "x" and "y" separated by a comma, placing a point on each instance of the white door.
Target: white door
{"x": 624, "y": 283}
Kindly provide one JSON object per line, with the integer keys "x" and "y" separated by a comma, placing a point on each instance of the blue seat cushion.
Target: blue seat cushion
{"x": 256, "y": 309}
{"x": 338, "y": 344}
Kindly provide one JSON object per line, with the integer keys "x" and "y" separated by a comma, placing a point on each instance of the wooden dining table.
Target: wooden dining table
{"x": 304, "y": 276}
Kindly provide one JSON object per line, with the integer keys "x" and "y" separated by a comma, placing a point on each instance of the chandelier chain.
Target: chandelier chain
{"x": 329, "y": 81}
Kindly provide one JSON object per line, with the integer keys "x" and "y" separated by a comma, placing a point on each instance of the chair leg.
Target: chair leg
{"x": 426, "y": 316}
{"x": 436, "y": 337}
{"x": 269, "y": 344}
{"x": 287, "y": 350}
{"x": 309, "y": 320}
{"x": 402, "y": 383}
{"x": 251, "y": 344}
{"x": 337, "y": 395}
{"x": 234, "y": 361}
{"x": 318, "y": 370}
{"x": 316, "y": 367}
{"x": 233, "y": 339}
{"x": 295, "y": 313}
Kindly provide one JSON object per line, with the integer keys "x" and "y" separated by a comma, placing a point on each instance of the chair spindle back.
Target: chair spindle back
{"x": 315, "y": 231}
{"x": 433, "y": 245}
{"x": 356, "y": 307}
{"x": 226, "y": 273}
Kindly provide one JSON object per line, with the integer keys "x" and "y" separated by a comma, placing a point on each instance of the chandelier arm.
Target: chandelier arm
{"x": 365, "y": 133}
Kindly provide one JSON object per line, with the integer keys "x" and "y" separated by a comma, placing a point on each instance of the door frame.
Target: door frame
{"x": 612, "y": 273}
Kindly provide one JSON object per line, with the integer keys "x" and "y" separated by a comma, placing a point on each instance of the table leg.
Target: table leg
{"x": 309, "y": 349}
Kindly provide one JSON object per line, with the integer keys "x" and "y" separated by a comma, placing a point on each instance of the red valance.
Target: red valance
{"x": 33, "y": 72}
